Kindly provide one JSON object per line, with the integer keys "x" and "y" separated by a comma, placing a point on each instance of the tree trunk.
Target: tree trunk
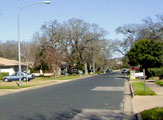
{"x": 93, "y": 63}
{"x": 86, "y": 69}
{"x": 27, "y": 73}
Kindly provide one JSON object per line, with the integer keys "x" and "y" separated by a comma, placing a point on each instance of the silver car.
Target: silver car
{"x": 15, "y": 77}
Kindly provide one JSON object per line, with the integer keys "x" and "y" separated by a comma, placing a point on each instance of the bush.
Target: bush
{"x": 3, "y": 74}
{"x": 156, "y": 72}
{"x": 159, "y": 82}
{"x": 31, "y": 70}
{"x": 128, "y": 72}
{"x": 152, "y": 114}
{"x": 147, "y": 53}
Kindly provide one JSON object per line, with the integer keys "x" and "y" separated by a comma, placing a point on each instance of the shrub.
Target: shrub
{"x": 159, "y": 82}
{"x": 31, "y": 70}
{"x": 147, "y": 53}
{"x": 152, "y": 114}
{"x": 128, "y": 72}
{"x": 3, "y": 74}
{"x": 156, "y": 72}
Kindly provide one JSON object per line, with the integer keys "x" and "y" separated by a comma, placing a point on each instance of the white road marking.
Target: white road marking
{"x": 103, "y": 88}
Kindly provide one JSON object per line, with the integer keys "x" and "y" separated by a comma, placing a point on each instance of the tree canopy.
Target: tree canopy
{"x": 147, "y": 53}
{"x": 75, "y": 42}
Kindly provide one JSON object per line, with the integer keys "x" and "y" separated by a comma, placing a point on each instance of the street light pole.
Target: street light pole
{"x": 19, "y": 56}
{"x": 18, "y": 30}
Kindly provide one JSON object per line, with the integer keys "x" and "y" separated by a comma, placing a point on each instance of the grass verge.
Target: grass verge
{"x": 136, "y": 79}
{"x": 16, "y": 87}
{"x": 152, "y": 114}
{"x": 35, "y": 82}
{"x": 159, "y": 82}
{"x": 69, "y": 77}
{"x": 139, "y": 89}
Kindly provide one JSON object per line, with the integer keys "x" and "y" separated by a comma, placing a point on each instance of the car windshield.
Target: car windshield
{"x": 18, "y": 74}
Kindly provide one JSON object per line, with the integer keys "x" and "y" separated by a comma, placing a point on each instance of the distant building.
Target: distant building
{"x": 10, "y": 66}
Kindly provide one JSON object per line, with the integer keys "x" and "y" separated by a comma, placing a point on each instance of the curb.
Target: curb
{"x": 131, "y": 90}
{"x": 137, "y": 115}
{"x": 128, "y": 102}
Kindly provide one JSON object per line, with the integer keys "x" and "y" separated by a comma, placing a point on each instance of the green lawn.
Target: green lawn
{"x": 152, "y": 114}
{"x": 69, "y": 77}
{"x": 159, "y": 82}
{"x": 136, "y": 79}
{"x": 139, "y": 89}
{"x": 35, "y": 82}
{"x": 16, "y": 87}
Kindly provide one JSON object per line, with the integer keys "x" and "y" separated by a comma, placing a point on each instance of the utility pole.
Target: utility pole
{"x": 144, "y": 80}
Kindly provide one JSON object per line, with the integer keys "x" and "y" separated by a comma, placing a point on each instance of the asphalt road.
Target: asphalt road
{"x": 65, "y": 101}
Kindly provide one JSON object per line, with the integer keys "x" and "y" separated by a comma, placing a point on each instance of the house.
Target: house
{"x": 10, "y": 66}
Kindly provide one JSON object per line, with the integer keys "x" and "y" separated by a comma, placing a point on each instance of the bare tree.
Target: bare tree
{"x": 9, "y": 50}
{"x": 87, "y": 39}
{"x": 74, "y": 40}
{"x": 150, "y": 29}
{"x": 130, "y": 36}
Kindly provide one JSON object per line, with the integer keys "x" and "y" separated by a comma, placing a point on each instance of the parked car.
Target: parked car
{"x": 15, "y": 77}
{"x": 107, "y": 71}
{"x": 124, "y": 71}
{"x": 29, "y": 75}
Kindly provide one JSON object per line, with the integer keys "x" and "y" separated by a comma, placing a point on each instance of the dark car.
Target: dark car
{"x": 124, "y": 71}
{"x": 107, "y": 71}
{"x": 15, "y": 77}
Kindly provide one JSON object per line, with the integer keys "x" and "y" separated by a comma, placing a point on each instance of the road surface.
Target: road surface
{"x": 94, "y": 98}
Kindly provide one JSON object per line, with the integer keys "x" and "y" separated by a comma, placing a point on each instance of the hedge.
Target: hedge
{"x": 158, "y": 72}
{"x": 152, "y": 114}
{"x": 3, "y": 74}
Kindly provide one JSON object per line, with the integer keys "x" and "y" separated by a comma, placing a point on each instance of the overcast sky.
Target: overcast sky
{"x": 108, "y": 14}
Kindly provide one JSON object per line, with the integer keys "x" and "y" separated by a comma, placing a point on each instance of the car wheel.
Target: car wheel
{"x": 6, "y": 80}
{"x": 24, "y": 79}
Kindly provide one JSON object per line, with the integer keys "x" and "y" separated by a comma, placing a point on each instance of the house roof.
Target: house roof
{"x": 8, "y": 62}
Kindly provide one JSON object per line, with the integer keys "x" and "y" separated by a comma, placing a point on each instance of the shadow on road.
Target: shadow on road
{"x": 69, "y": 115}
{"x": 124, "y": 77}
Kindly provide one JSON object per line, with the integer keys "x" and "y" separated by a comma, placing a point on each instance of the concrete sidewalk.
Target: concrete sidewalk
{"x": 128, "y": 106}
{"x": 156, "y": 88}
{"x": 141, "y": 103}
